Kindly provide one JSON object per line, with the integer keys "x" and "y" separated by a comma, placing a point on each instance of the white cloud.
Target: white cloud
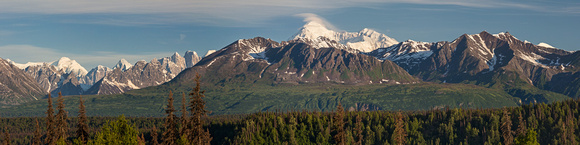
{"x": 182, "y": 36}
{"x": 214, "y": 12}
{"x": 30, "y": 53}
{"x": 310, "y": 17}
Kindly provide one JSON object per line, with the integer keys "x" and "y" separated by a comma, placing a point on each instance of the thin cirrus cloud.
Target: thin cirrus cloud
{"x": 216, "y": 12}
{"x": 30, "y": 53}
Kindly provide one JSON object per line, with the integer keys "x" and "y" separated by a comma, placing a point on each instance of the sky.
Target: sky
{"x": 104, "y": 31}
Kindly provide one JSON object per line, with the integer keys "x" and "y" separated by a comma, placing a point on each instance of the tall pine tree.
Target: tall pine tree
{"x": 339, "y": 134}
{"x": 82, "y": 127}
{"x": 506, "y": 128}
{"x": 170, "y": 135}
{"x": 183, "y": 130}
{"x": 37, "y": 135}
{"x": 50, "y": 128}
{"x": 197, "y": 134}
{"x": 61, "y": 117}
{"x": 400, "y": 134}
{"x": 359, "y": 129}
{"x": 6, "y": 137}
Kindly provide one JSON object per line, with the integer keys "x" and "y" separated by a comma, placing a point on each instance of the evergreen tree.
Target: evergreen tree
{"x": 197, "y": 135}
{"x": 183, "y": 130}
{"x": 359, "y": 129}
{"x": 521, "y": 126}
{"x": 506, "y": 128}
{"x": 61, "y": 117}
{"x": 50, "y": 128}
{"x": 170, "y": 135}
{"x": 6, "y": 137}
{"x": 154, "y": 136}
{"x": 400, "y": 134}
{"x": 36, "y": 140}
{"x": 339, "y": 134}
{"x": 82, "y": 127}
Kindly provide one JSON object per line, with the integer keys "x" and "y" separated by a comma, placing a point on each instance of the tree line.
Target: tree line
{"x": 542, "y": 123}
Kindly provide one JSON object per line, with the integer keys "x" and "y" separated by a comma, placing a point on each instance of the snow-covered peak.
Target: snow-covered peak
{"x": 123, "y": 65}
{"x": 209, "y": 52}
{"x": 68, "y": 66}
{"x": 24, "y": 66}
{"x": 365, "y": 40}
{"x": 542, "y": 44}
{"x": 505, "y": 35}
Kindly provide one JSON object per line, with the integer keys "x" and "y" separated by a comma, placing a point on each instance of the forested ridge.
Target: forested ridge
{"x": 540, "y": 123}
{"x": 554, "y": 123}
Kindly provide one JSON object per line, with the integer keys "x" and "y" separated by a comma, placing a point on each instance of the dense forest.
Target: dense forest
{"x": 554, "y": 123}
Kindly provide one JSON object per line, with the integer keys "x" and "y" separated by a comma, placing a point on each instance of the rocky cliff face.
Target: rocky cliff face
{"x": 16, "y": 86}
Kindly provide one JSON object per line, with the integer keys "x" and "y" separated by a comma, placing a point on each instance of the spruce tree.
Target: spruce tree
{"x": 169, "y": 137}
{"x": 521, "y": 126}
{"x": 197, "y": 135}
{"x": 183, "y": 130}
{"x": 61, "y": 117}
{"x": 400, "y": 134}
{"x": 154, "y": 136}
{"x": 359, "y": 130}
{"x": 37, "y": 135}
{"x": 50, "y": 128}
{"x": 339, "y": 134}
{"x": 82, "y": 127}
{"x": 6, "y": 137}
{"x": 506, "y": 128}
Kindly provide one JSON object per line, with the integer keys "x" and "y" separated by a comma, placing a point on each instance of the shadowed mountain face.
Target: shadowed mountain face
{"x": 261, "y": 60}
{"x": 499, "y": 60}
{"x": 16, "y": 86}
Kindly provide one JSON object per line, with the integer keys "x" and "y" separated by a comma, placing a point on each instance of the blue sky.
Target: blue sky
{"x": 104, "y": 31}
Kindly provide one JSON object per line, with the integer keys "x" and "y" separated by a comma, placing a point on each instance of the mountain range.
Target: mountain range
{"x": 70, "y": 78}
{"x": 511, "y": 70}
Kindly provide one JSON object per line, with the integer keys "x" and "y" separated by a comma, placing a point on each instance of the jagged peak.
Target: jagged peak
{"x": 175, "y": 55}
{"x": 123, "y": 65}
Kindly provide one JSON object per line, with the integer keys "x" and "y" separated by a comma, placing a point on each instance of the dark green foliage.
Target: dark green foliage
{"x": 528, "y": 139}
{"x": 117, "y": 132}
{"x": 441, "y": 126}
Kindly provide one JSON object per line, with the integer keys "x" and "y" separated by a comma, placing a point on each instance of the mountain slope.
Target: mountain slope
{"x": 261, "y": 60}
{"x": 499, "y": 60}
{"x": 16, "y": 86}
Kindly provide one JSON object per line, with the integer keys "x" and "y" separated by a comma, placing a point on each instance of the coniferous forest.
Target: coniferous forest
{"x": 554, "y": 123}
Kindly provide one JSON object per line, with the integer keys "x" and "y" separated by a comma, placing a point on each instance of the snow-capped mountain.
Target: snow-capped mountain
{"x": 123, "y": 65}
{"x": 365, "y": 40}
{"x": 143, "y": 74}
{"x": 262, "y": 60}
{"x": 484, "y": 58}
{"x": 62, "y": 75}
{"x": 69, "y": 66}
